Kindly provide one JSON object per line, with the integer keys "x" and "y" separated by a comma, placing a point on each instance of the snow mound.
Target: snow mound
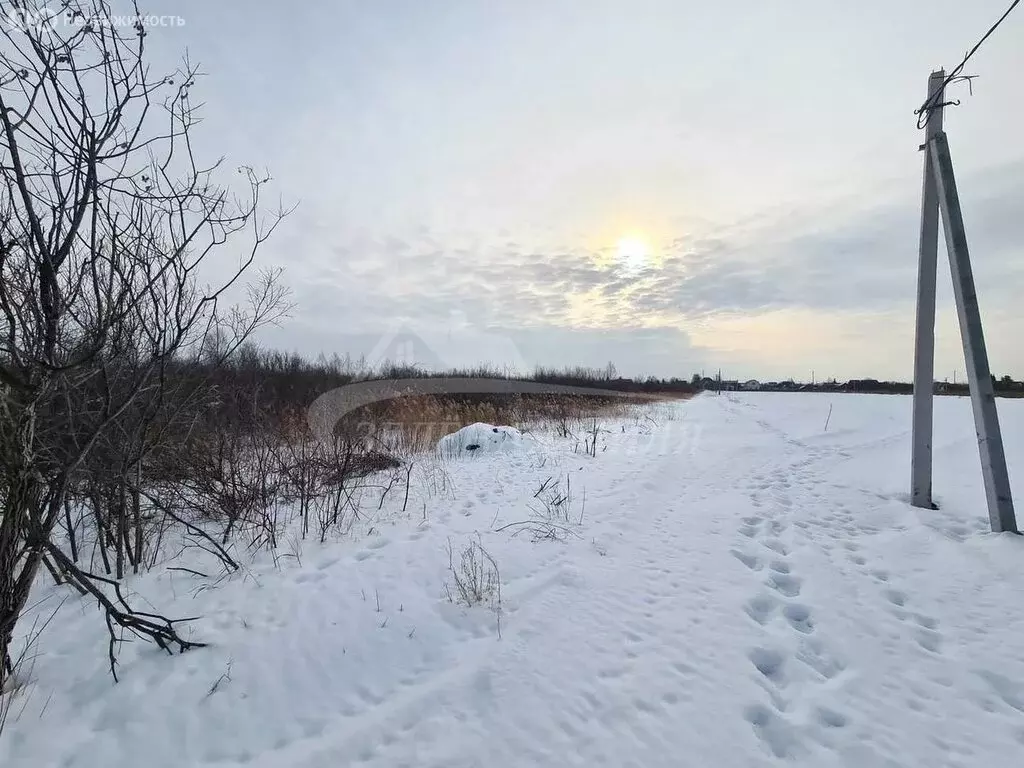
{"x": 481, "y": 438}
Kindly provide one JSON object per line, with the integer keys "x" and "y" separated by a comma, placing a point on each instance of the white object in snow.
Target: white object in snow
{"x": 481, "y": 438}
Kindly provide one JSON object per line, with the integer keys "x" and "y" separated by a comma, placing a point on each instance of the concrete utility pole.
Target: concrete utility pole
{"x": 979, "y": 375}
{"x": 924, "y": 346}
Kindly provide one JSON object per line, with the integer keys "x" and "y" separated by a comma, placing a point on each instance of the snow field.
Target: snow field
{"x": 743, "y": 589}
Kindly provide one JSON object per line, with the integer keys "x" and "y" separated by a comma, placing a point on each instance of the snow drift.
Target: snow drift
{"x": 481, "y": 438}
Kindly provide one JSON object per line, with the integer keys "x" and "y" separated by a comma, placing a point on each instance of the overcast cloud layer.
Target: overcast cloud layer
{"x": 466, "y": 170}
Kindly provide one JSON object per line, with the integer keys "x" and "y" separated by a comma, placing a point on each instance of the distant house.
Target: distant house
{"x": 751, "y": 385}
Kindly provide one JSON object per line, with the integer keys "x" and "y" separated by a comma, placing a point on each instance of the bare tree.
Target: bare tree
{"x": 106, "y": 221}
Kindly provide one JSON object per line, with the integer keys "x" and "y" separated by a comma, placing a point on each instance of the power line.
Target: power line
{"x": 932, "y": 102}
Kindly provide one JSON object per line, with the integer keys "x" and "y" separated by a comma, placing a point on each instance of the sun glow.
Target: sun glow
{"x": 633, "y": 253}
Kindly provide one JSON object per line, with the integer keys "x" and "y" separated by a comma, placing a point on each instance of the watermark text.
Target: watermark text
{"x": 47, "y": 18}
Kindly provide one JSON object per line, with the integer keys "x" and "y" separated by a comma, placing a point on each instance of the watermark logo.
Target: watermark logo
{"x": 331, "y": 407}
{"x": 38, "y": 19}
{"x": 453, "y": 364}
{"x": 453, "y": 345}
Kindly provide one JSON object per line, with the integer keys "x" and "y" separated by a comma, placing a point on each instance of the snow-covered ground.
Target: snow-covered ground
{"x": 738, "y": 588}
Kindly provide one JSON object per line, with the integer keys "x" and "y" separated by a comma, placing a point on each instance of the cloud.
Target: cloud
{"x": 856, "y": 261}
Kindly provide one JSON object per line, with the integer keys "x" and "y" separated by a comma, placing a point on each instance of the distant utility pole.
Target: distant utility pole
{"x": 940, "y": 194}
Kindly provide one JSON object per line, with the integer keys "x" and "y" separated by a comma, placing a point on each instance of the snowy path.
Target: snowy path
{"x": 748, "y": 591}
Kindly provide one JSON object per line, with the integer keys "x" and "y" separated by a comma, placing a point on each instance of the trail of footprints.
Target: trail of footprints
{"x": 925, "y": 632}
{"x": 925, "y": 628}
{"x": 775, "y": 669}
{"x": 778, "y": 576}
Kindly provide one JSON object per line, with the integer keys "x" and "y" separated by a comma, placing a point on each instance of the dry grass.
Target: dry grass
{"x": 476, "y": 578}
{"x": 411, "y": 424}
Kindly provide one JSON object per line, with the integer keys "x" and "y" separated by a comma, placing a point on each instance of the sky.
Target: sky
{"x": 672, "y": 186}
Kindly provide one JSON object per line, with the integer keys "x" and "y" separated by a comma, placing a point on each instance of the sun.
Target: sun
{"x": 633, "y": 253}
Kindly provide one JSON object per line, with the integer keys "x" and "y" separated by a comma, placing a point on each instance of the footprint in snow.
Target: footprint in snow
{"x": 1011, "y": 692}
{"x": 776, "y": 546}
{"x": 785, "y": 584}
{"x": 896, "y": 597}
{"x": 928, "y": 639}
{"x": 926, "y": 633}
{"x": 816, "y": 655}
{"x": 753, "y": 562}
{"x": 926, "y": 621}
{"x": 784, "y": 501}
{"x": 770, "y": 663}
{"x": 778, "y": 735}
{"x": 799, "y": 617}
{"x": 830, "y": 718}
{"x": 760, "y": 608}
{"x": 611, "y": 673}
{"x": 670, "y": 698}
